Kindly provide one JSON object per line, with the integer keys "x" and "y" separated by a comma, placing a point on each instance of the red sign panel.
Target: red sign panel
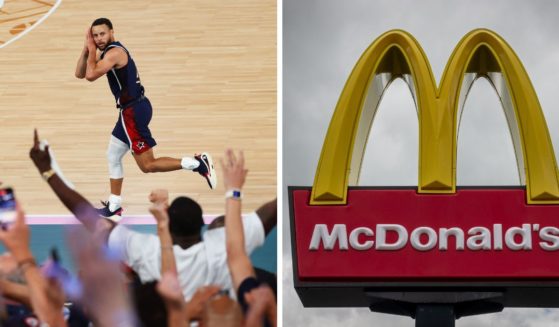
{"x": 476, "y": 234}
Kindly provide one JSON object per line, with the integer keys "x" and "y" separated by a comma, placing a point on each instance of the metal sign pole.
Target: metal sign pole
{"x": 440, "y": 315}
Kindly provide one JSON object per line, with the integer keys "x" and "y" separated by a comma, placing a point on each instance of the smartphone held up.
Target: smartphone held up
{"x": 7, "y": 206}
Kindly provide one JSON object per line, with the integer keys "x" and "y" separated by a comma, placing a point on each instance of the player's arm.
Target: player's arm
{"x": 82, "y": 64}
{"x": 82, "y": 60}
{"x": 238, "y": 261}
{"x": 96, "y": 69}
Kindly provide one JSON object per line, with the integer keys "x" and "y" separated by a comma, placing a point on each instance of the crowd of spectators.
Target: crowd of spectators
{"x": 187, "y": 274}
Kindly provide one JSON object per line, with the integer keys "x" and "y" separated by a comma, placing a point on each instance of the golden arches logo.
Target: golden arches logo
{"x": 480, "y": 53}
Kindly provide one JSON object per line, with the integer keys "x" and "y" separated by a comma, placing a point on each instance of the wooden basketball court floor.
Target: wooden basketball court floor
{"x": 209, "y": 69}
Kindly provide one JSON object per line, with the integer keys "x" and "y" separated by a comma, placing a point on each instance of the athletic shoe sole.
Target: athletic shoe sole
{"x": 115, "y": 216}
{"x": 210, "y": 175}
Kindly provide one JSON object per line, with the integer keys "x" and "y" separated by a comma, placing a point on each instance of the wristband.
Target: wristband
{"x": 48, "y": 174}
{"x": 234, "y": 194}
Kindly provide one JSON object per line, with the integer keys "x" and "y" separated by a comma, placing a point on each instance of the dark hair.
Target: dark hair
{"x": 101, "y": 21}
{"x": 185, "y": 217}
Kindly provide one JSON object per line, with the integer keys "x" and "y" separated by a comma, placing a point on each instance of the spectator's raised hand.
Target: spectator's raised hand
{"x": 234, "y": 172}
{"x": 221, "y": 310}
{"x": 8, "y": 265}
{"x": 41, "y": 158}
{"x": 159, "y": 212}
{"x": 16, "y": 236}
{"x": 55, "y": 293}
{"x": 46, "y": 305}
{"x": 234, "y": 175}
{"x": 103, "y": 286}
{"x": 171, "y": 291}
{"x": 195, "y": 307}
{"x": 159, "y": 196}
{"x": 262, "y": 303}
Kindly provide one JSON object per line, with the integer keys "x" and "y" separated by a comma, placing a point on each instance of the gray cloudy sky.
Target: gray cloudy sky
{"x": 322, "y": 40}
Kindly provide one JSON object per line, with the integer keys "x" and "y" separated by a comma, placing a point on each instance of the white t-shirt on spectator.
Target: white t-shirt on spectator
{"x": 201, "y": 264}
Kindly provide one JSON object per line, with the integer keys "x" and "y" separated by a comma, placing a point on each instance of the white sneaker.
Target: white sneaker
{"x": 206, "y": 169}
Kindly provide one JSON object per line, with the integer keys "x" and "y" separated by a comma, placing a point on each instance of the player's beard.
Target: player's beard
{"x": 111, "y": 40}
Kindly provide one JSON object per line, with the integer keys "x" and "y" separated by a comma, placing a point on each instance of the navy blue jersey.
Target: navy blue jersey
{"x": 125, "y": 81}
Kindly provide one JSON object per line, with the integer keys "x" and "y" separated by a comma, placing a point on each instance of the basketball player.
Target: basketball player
{"x": 131, "y": 131}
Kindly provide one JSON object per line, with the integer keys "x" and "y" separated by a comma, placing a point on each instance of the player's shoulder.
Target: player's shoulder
{"x": 119, "y": 46}
{"x": 114, "y": 49}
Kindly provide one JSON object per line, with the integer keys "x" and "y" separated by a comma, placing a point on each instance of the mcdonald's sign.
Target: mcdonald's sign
{"x": 351, "y": 243}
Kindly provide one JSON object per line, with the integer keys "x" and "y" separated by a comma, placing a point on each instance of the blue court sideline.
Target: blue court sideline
{"x": 45, "y": 237}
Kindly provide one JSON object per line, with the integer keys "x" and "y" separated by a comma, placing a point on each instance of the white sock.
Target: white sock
{"x": 114, "y": 202}
{"x": 189, "y": 163}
